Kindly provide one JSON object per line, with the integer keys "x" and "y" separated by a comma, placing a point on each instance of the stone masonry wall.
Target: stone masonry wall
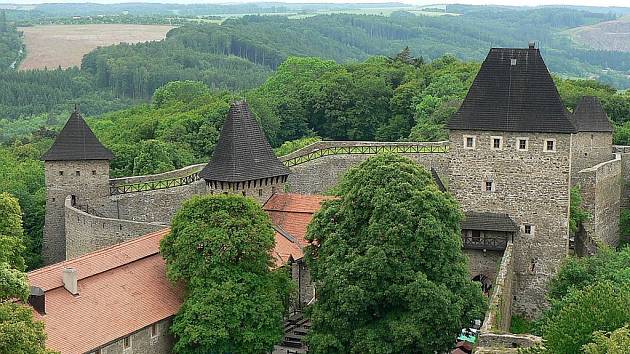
{"x": 625, "y": 171}
{"x": 486, "y": 263}
{"x": 142, "y": 342}
{"x": 86, "y": 233}
{"x": 601, "y": 188}
{"x": 321, "y": 174}
{"x": 494, "y": 336}
{"x": 590, "y": 149}
{"x": 531, "y": 186}
{"x": 88, "y": 181}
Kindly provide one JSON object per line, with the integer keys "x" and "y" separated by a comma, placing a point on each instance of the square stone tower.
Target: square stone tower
{"x": 243, "y": 161}
{"x": 76, "y": 166}
{"x": 510, "y": 152}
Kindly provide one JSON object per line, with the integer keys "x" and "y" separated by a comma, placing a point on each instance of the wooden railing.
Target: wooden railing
{"x": 364, "y": 149}
{"x": 154, "y": 185}
{"x": 485, "y": 242}
{"x": 310, "y": 153}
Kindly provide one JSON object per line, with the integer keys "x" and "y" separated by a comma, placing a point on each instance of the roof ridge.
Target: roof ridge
{"x": 98, "y": 253}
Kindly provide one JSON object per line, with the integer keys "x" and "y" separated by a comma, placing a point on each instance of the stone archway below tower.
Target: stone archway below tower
{"x": 486, "y": 283}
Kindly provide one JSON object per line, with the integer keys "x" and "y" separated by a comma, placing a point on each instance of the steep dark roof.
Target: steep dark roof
{"x": 518, "y": 98}
{"x": 589, "y": 116}
{"x": 488, "y": 222}
{"x": 76, "y": 141}
{"x": 242, "y": 153}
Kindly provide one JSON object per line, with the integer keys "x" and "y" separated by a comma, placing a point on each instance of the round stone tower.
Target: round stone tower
{"x": 243, "y": 161}
{"x": 76, "y": 166}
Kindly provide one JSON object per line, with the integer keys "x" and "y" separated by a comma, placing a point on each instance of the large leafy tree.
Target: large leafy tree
{"x": 220, "y": 248}
{"x": 388, "y": 266}
{"x": 19, "y": 332}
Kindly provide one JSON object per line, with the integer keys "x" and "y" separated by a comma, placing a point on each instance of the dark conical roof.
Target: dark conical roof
{"x": 589, "y": 116}
{"x": 76, "y": 141}
{"x": 243, "y": 152}
{"x": 513, "y": 91}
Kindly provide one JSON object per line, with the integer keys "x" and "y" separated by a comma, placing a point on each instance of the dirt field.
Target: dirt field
{"x": 609, "y": 35}
{"x": 65, "y": 45}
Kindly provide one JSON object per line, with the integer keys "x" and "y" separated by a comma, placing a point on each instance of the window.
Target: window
{"x": 528, "y": 229}
{"x": 78, "y": 173}
{"x": 469, "y": 142}
{"x": 489, "y": 186}
{"x": 53, "y": 199}
{"x": 497, "y": 142}
{"x": 244, "y": 194}
{"x": 60, "y": 173}
{"x": 550, "y": 145}
{"x": 260, "y": 192}
{"x": 154, "y": 330}
{"x": 522, "y": 144}
{"x": 127, "y": 343}
{"x": 93, "y": 172}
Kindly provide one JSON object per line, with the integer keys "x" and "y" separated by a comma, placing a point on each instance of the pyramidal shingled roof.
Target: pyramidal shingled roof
{"x": 513, "y": 91}
{"x": 243, "y": 152}
{"x": 589, "y": 116}
{"x": 76, "y": 141}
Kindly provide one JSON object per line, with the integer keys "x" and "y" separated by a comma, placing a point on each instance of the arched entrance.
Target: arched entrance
{"x": 486, "y": 283}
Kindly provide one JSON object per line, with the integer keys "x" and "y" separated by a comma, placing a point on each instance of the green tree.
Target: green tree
{"x": 220, "y": 247}
{"x": 615, "y": 342}
{"x": 577, "y": 214}
{"x": 603, "y": 306}
{"x": 19, "y": 332}
{"x": 387, "y": 260}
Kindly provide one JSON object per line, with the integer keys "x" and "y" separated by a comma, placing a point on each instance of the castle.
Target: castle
{"x": 513, "y": 154}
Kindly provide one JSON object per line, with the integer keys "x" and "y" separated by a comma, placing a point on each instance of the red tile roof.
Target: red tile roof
{"x": 121, "y": 289}
{"x": 124, "y": 288}
{"x": 293, "y": 212}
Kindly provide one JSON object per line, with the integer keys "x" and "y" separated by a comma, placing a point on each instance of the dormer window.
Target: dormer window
{"x": 469, "y": 142}
{"x": 550, "y": 145}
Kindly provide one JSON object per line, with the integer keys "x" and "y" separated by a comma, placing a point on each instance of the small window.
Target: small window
{"x": 476, "y": 236}
{"x": 127, "y": 343}
{"x": 93, "y": 172}
{"x": 522, "y": 144}
{"x": 53, "y": 199}
{"x": 513, "y": 62}
{"x": 154, "y": 330}
{"x": 497, "y": 143}
{"x": 60, "y": 173}
{"x": 489, "y": 186}
{"x": 78, "y": 173}
{"x": 244, "y": 194}
{"x": 469, "y": 142}
{"x": 528, "y": 229}
{"x": 260, "y": 192}
{"x": 550, "y": 145}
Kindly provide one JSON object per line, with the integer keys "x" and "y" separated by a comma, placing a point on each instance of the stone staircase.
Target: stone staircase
{"x": 295, "y": 328}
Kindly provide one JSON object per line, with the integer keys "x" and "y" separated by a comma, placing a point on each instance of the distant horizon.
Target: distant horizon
{"x": 525, "y": 3}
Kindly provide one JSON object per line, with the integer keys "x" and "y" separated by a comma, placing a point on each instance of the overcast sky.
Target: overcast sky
{"x": 624, "y": 3}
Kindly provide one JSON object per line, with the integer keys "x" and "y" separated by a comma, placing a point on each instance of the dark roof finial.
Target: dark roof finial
{"x": 243, "y": 152}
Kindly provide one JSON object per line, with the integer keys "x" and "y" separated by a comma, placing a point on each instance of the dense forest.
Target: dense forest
{"x": 241, "y": 52}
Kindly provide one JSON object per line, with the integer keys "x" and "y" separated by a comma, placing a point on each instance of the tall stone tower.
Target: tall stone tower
{"x": 243, "y": 161}
{"x": 76, "y": 165}
{"x": 593, "y": 142}
{"x": 510, "y": 147}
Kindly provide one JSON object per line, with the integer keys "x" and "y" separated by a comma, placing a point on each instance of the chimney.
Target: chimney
{"x": 37, "y": 299}
{"x": 70, "y": 280}
{"x": 532, "y": 44}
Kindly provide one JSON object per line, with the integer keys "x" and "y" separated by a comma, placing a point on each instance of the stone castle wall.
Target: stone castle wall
{"x": 86, "y": 232}
{"x": 142, "y": 342}
{"x": 321, "y": 174}
{"x": 601, "y": 187}
{"x": 87, "y": 181}
{"x": 531, "y": 186}
{"x": 483, "y": 263}
{"x": 590, "y": 149}
{"x": 625, "y": 171}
